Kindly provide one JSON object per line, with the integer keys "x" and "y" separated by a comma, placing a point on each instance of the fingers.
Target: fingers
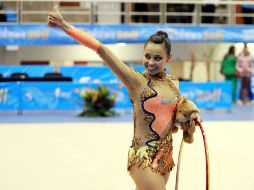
{"x": 54, "y": 19}
{"x": 195, "y": 118}
{"x": 198, "y": 118}
{"x": 55, "y": 7}
{"x": 52, "y": 23}
{"x": 52, "y": 15}
{"x": 57, "y": 13}
{"x": 51, "y": 20}
{"x": 56, "y": 10}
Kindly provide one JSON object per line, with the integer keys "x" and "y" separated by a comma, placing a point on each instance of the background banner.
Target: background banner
{"x": 45, "y": 35}
{"x": 10, "y": 95}
{"x": 209, "y": 94}
{"x": 66, "y": 95}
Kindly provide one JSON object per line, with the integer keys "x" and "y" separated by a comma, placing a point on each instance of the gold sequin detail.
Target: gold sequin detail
{"x": 154, "y": 155}
{"x": 135, "y": 142}
{"x": 151, "y": 135}
{"x": 149, "y": 118}
{"x": 172, "y": 85}
{"x": 146, "y": 94}
{"x": 168, "y": 79}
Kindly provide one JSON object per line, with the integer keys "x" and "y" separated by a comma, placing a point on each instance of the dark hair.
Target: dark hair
{"x": 160, "y": 37}
{"x": 231, "y": 51}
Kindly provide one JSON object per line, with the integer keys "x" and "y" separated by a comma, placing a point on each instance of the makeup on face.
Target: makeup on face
{"x": 155, "y": 58}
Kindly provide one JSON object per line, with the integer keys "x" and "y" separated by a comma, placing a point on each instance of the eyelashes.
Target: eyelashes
{"x": 156, "y": 58}
{"x": 147, "y": 56}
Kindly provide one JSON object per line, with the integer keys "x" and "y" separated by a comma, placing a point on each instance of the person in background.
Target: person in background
{"x": 228, "y": 69}
{"x": 208, "y": 8}
{"x": 185, "y": 8}
{"x": 244, "y": 68}
{"x": 140, "y": 7}
{"x": 3, "y": 17}
{"x": 248, "y": 9}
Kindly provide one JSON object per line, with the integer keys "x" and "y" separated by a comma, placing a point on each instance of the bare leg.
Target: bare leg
{"x": 146, "y": 179}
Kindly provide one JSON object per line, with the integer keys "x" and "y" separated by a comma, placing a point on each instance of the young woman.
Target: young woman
{"x": 244, "y": 66}
{"x": 154, "y": 96}
{"x": 228, "y": 69}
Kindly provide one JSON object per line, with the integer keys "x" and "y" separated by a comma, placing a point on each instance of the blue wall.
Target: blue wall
{"x": 66, "y": 95}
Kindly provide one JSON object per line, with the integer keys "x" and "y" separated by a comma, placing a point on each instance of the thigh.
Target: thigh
{"x": 166, "y": 176}
{"x": 146, "y": 179}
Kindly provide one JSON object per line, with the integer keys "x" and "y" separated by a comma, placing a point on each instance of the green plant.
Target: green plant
{"x": 98, "y": 102}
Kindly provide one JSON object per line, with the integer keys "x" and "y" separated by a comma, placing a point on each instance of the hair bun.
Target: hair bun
{"x": 162, "y": 33}
{"x": 160, "y": 37}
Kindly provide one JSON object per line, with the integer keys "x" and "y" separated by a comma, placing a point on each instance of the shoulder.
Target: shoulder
{"x": 240, "y": 55}
{"x": 232, "y": 57}
{"x": 174, "y": 79}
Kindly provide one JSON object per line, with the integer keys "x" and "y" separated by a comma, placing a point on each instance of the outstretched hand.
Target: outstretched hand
{"x": 55, "y": 19}
{"x": 195, "y": 118}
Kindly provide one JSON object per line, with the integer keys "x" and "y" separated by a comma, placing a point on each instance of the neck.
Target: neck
{"x": 161, "y": 76}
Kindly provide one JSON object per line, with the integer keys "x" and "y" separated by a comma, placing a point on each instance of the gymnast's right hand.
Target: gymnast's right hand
{"x": 55, "y": 19}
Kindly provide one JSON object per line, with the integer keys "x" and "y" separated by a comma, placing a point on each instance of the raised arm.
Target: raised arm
{"x": 129, "y": 76}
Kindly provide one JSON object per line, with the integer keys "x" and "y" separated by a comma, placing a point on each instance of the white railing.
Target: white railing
{"x": 122, "y": 11}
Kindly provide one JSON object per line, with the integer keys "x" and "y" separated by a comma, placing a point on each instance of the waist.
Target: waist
{"x": 155, "y": 143}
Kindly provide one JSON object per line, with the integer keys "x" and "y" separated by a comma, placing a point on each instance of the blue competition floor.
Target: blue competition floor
{"x": 237, "y": 113}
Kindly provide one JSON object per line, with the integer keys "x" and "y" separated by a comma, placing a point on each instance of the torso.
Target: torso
{"x": 245, "y": 63}
{"x": 154, "y": 100}
{"x": 154, "y": 106}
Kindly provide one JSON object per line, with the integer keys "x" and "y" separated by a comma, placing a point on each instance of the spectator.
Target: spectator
{"x": 209, "y": 8}
{"x": 248, "y": 9}
{"x": 244, "y": 68}
{"x": 3, "y": 17}
{"x": 185, "y": 8}
{"x": 140, "y": 7}
{"x": 228, "y": 69}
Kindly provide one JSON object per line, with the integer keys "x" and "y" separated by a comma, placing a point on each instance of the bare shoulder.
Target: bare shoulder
{"x": 174, "y": 79}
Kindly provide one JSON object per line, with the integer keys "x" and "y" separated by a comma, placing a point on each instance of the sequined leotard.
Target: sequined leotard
{"x": 154, "y": 100}
{"x": 154, "y": 112}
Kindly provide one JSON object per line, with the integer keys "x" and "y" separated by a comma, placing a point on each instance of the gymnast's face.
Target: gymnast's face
{"x": 155, "y": 58}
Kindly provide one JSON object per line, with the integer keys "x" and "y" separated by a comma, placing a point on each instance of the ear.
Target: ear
{"x": 169, "y": 57}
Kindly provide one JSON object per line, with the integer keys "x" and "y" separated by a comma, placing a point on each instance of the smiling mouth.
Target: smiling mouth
{"x": 151, "y": 68}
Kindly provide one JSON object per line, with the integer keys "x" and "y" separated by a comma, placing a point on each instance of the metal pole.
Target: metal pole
{"x": 163, "y": 10}
{"x": 197, "y": 18}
